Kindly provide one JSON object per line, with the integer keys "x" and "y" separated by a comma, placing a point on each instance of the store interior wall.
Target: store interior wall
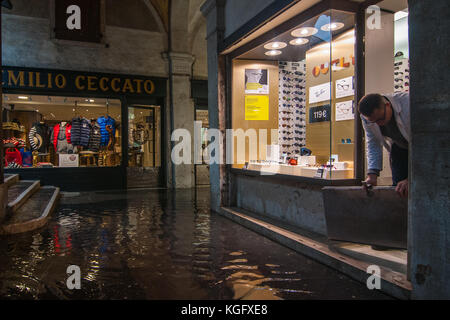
{"x": 379, "y": 72}
{"x": 238, "y": 106}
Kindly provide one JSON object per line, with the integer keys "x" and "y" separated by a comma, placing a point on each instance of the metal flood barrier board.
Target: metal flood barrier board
{"x": 353, "y": 215}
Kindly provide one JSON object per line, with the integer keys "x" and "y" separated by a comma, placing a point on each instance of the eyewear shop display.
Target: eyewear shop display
{"x": 50, "y": 132}
{"x": 299, "y": 85}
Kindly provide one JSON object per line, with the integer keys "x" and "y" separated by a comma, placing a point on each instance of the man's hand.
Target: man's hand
{"x": 402, "y": 188}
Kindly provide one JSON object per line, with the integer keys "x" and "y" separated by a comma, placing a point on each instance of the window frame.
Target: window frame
{"x": 359, "y": 158}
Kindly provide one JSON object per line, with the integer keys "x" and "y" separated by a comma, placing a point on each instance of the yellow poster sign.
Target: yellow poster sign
{"x": 256, "y": 107}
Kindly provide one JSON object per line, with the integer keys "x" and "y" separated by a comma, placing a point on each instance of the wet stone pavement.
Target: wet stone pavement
{"x": 159, "y": 245}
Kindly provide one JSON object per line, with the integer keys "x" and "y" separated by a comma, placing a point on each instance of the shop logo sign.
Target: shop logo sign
{"x": 336, "y": 63}
{"x": 374, "y": 20}
{"x": 74, "y": 20}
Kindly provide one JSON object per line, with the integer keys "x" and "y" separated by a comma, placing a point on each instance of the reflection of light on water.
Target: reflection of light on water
{"x": 238, "y": 261}
{"x": 240, "y": 266}
{"x": 94, "y": 268}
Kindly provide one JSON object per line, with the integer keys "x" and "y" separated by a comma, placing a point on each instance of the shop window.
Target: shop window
{"x": 51, "y": 131}
{"x": 144, "y": 148}
{"x": 293, "y": 101}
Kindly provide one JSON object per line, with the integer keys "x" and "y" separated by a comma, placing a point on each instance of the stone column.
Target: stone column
{"x": 183, "y": 111}
{"x": 429, "y": 211}
{"x": 3, "y": 188}
{"x": 213, "y": 10}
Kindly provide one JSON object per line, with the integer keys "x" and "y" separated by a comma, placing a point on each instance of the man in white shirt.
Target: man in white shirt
{"x": 386, "y": 120}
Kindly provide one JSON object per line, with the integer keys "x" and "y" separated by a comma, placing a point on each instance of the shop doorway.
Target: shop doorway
{"x": 202, "y": 170}
{"x": 144, "y": 147}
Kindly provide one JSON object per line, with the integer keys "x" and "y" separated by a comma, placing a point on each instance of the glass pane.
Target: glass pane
{"x": 144, "y": 137}
{"x": 344, "y": 103}
{"x": 55, "y": 131}
{"x": 283, "y": 101}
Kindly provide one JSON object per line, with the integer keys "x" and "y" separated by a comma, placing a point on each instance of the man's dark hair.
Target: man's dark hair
{"x": 369, "y": 103}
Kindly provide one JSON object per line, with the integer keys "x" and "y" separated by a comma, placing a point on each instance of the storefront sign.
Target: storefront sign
{"x": 256, "y": 107}
{"x": 62, "y": 81}
{"x": 337, "y": 64}
{"x": 320, "y": 114}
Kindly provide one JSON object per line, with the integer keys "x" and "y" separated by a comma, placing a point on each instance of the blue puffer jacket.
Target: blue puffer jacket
{"x": 81, "y": 130}
{"x": 103, "y": 122}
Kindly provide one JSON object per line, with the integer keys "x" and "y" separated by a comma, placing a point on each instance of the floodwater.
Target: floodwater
{"x": 158, "y": 244}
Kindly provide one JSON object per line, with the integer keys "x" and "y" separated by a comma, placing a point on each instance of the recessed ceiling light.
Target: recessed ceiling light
{"x": 273, "y": 53}
{"x": 23, "y": 97}
{"x": 332, "y": 26}
{"x": 304, "y": 32}
{"x": 298, "y": 41}
{"x": 275, "y": 45}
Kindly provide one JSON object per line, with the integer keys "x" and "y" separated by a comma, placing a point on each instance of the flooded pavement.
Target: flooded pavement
{"x": 159, "y": 245}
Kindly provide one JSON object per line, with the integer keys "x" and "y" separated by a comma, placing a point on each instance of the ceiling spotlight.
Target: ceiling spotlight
{"x": 275, "y": 45}
{"x": 273, "y": 53}
{"x": 332, "y": 26}
{"x": 298, "y": 41}
{"x": 304, "y": 32}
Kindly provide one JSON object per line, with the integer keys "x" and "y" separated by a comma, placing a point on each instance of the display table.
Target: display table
{"x": 302, "y": 170}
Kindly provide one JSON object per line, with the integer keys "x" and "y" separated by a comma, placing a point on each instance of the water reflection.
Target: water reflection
{"x": 158, "y": 245}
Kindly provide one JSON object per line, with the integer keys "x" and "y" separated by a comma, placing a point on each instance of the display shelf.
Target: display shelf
{"x": 303, "y": 171}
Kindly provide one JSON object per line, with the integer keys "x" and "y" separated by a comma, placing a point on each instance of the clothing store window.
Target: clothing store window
{"x": 293, "y": 101}
{"x": 55, "y": 131}
{"x": 144, "y": 146}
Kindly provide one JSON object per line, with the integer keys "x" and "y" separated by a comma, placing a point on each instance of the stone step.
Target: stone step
{"x": 11, "y": 179}
{"x": 19, "y": 193}
{"x": 34, "y": 213}
{"x": 393, "y": 259}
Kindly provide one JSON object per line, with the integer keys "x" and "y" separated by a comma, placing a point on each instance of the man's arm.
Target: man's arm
{"x": 374, "y": 153}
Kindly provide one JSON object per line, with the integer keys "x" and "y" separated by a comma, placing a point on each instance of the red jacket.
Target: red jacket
{"x": 56, "y": 133}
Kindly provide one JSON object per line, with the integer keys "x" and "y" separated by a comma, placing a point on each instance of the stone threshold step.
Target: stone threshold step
{"x": 317, "y": 248}
{"x": 34, "y": 213}
{"x": 11, "y": 179}
{"x": 19, "y": 193}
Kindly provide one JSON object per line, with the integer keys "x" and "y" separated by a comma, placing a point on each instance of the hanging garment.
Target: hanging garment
{"x": 80, "y": 132}
{"x": 103, "y": 122}
{"x": 62, "y": 138}
{"x": 94, "y": 138}
{"x": 39, "y": 137}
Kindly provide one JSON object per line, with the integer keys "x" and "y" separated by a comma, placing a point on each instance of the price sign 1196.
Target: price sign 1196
{"x": 320, "y": 114}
